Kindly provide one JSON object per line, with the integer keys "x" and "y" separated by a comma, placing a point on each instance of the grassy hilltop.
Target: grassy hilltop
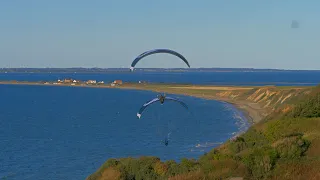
{"x": 283, "y": 144}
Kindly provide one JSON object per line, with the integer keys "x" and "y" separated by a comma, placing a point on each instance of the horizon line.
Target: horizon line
{"x": 142, "y": 68}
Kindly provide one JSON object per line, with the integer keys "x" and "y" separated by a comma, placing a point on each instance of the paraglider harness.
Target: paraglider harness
{"x": 162, "y": 98}
{"x": 166, "y": 141}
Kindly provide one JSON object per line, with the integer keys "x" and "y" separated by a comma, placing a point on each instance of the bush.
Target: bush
{"x": 238, "y": 145}
{"x": 254, "y": 138}
{"x": 142, "y": 168}
{"x": 308, "y": 108}
{"x": 160, "y": 168}
{"x": 189, "y": 165}
{"x": 197, "y": 175}
{"x": 111, "y": 162}
{"x": 173, "y": 168}
{"x": 293, "y": 147}
{"x": 260, "y": 162}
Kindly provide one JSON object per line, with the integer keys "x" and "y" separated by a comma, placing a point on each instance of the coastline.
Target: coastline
{"x": 247, "y": 100}
{"x": 252, "y": 111}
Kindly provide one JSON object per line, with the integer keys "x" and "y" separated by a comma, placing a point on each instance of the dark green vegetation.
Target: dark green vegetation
{"x": 285, "y": 145}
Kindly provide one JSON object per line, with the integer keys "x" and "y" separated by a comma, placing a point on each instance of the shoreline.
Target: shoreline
{"x": 251, "y": 111}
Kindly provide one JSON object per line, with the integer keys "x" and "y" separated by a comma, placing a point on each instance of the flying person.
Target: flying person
{"x": 160, "y": 98}
{"x": 166, "y": 140}
{"x": 154, "y": 51}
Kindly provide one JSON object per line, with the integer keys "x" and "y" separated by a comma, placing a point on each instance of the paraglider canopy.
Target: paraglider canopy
{"x": 159, "y": 98}
{"x": 155, "y": 51}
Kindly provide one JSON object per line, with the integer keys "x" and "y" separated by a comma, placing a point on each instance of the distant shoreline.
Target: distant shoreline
{"x": 123, "y": 70}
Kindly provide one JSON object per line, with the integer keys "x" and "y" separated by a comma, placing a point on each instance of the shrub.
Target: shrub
{"x": 160, "y": 168}
{"x": 173, "y": 168}
{"x": 238, "y": 145}
{"x": 254, "y": 138}
{"x": 260, "y": 162}
{"x": 292, "y": 147}
{"x": 189, "y": 165}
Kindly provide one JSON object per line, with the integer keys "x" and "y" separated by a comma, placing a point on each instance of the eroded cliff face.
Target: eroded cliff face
{"x": 267, "y": 97}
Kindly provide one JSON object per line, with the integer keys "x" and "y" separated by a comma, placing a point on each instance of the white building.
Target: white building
{"x": 91, "y": 82}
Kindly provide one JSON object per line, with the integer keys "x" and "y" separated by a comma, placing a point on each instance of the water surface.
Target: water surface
{"x": 68, "y": 132}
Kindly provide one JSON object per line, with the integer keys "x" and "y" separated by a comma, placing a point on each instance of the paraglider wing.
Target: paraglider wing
{"x": 173, "y": 99}
{"x": 145, "y": 105}
{"x": 147, "y": 53}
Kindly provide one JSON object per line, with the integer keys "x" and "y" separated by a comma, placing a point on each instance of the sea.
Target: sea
{"x": 49, "y": 132}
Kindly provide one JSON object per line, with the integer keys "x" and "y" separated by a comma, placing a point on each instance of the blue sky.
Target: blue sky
{"x": 111, "y": 33}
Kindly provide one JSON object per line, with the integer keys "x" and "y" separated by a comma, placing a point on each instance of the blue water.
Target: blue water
{"x": 285, "y": 78}
{"x": 68, "y": 132}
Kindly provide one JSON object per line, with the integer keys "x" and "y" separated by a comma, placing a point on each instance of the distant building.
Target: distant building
{"x": 142, "y": 82}
{"x": 91, "y": 82}
{"x": 68, "y": 80}
{"x": 101, "y": 82}
{"x": 116, "y": 83}
{"x": 75, "y": 81}
{"x": 119, "y": 82}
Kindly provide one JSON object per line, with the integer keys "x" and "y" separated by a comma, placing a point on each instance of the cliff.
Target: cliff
{"x": 257, "y": 101}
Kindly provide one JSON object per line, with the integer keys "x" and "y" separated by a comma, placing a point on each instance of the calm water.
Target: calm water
{"x": 68, "y": 132}
{"x": 285, "y": 78}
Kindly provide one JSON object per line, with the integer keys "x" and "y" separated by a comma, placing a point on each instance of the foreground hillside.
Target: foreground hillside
{"x": 285, "y": 144}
